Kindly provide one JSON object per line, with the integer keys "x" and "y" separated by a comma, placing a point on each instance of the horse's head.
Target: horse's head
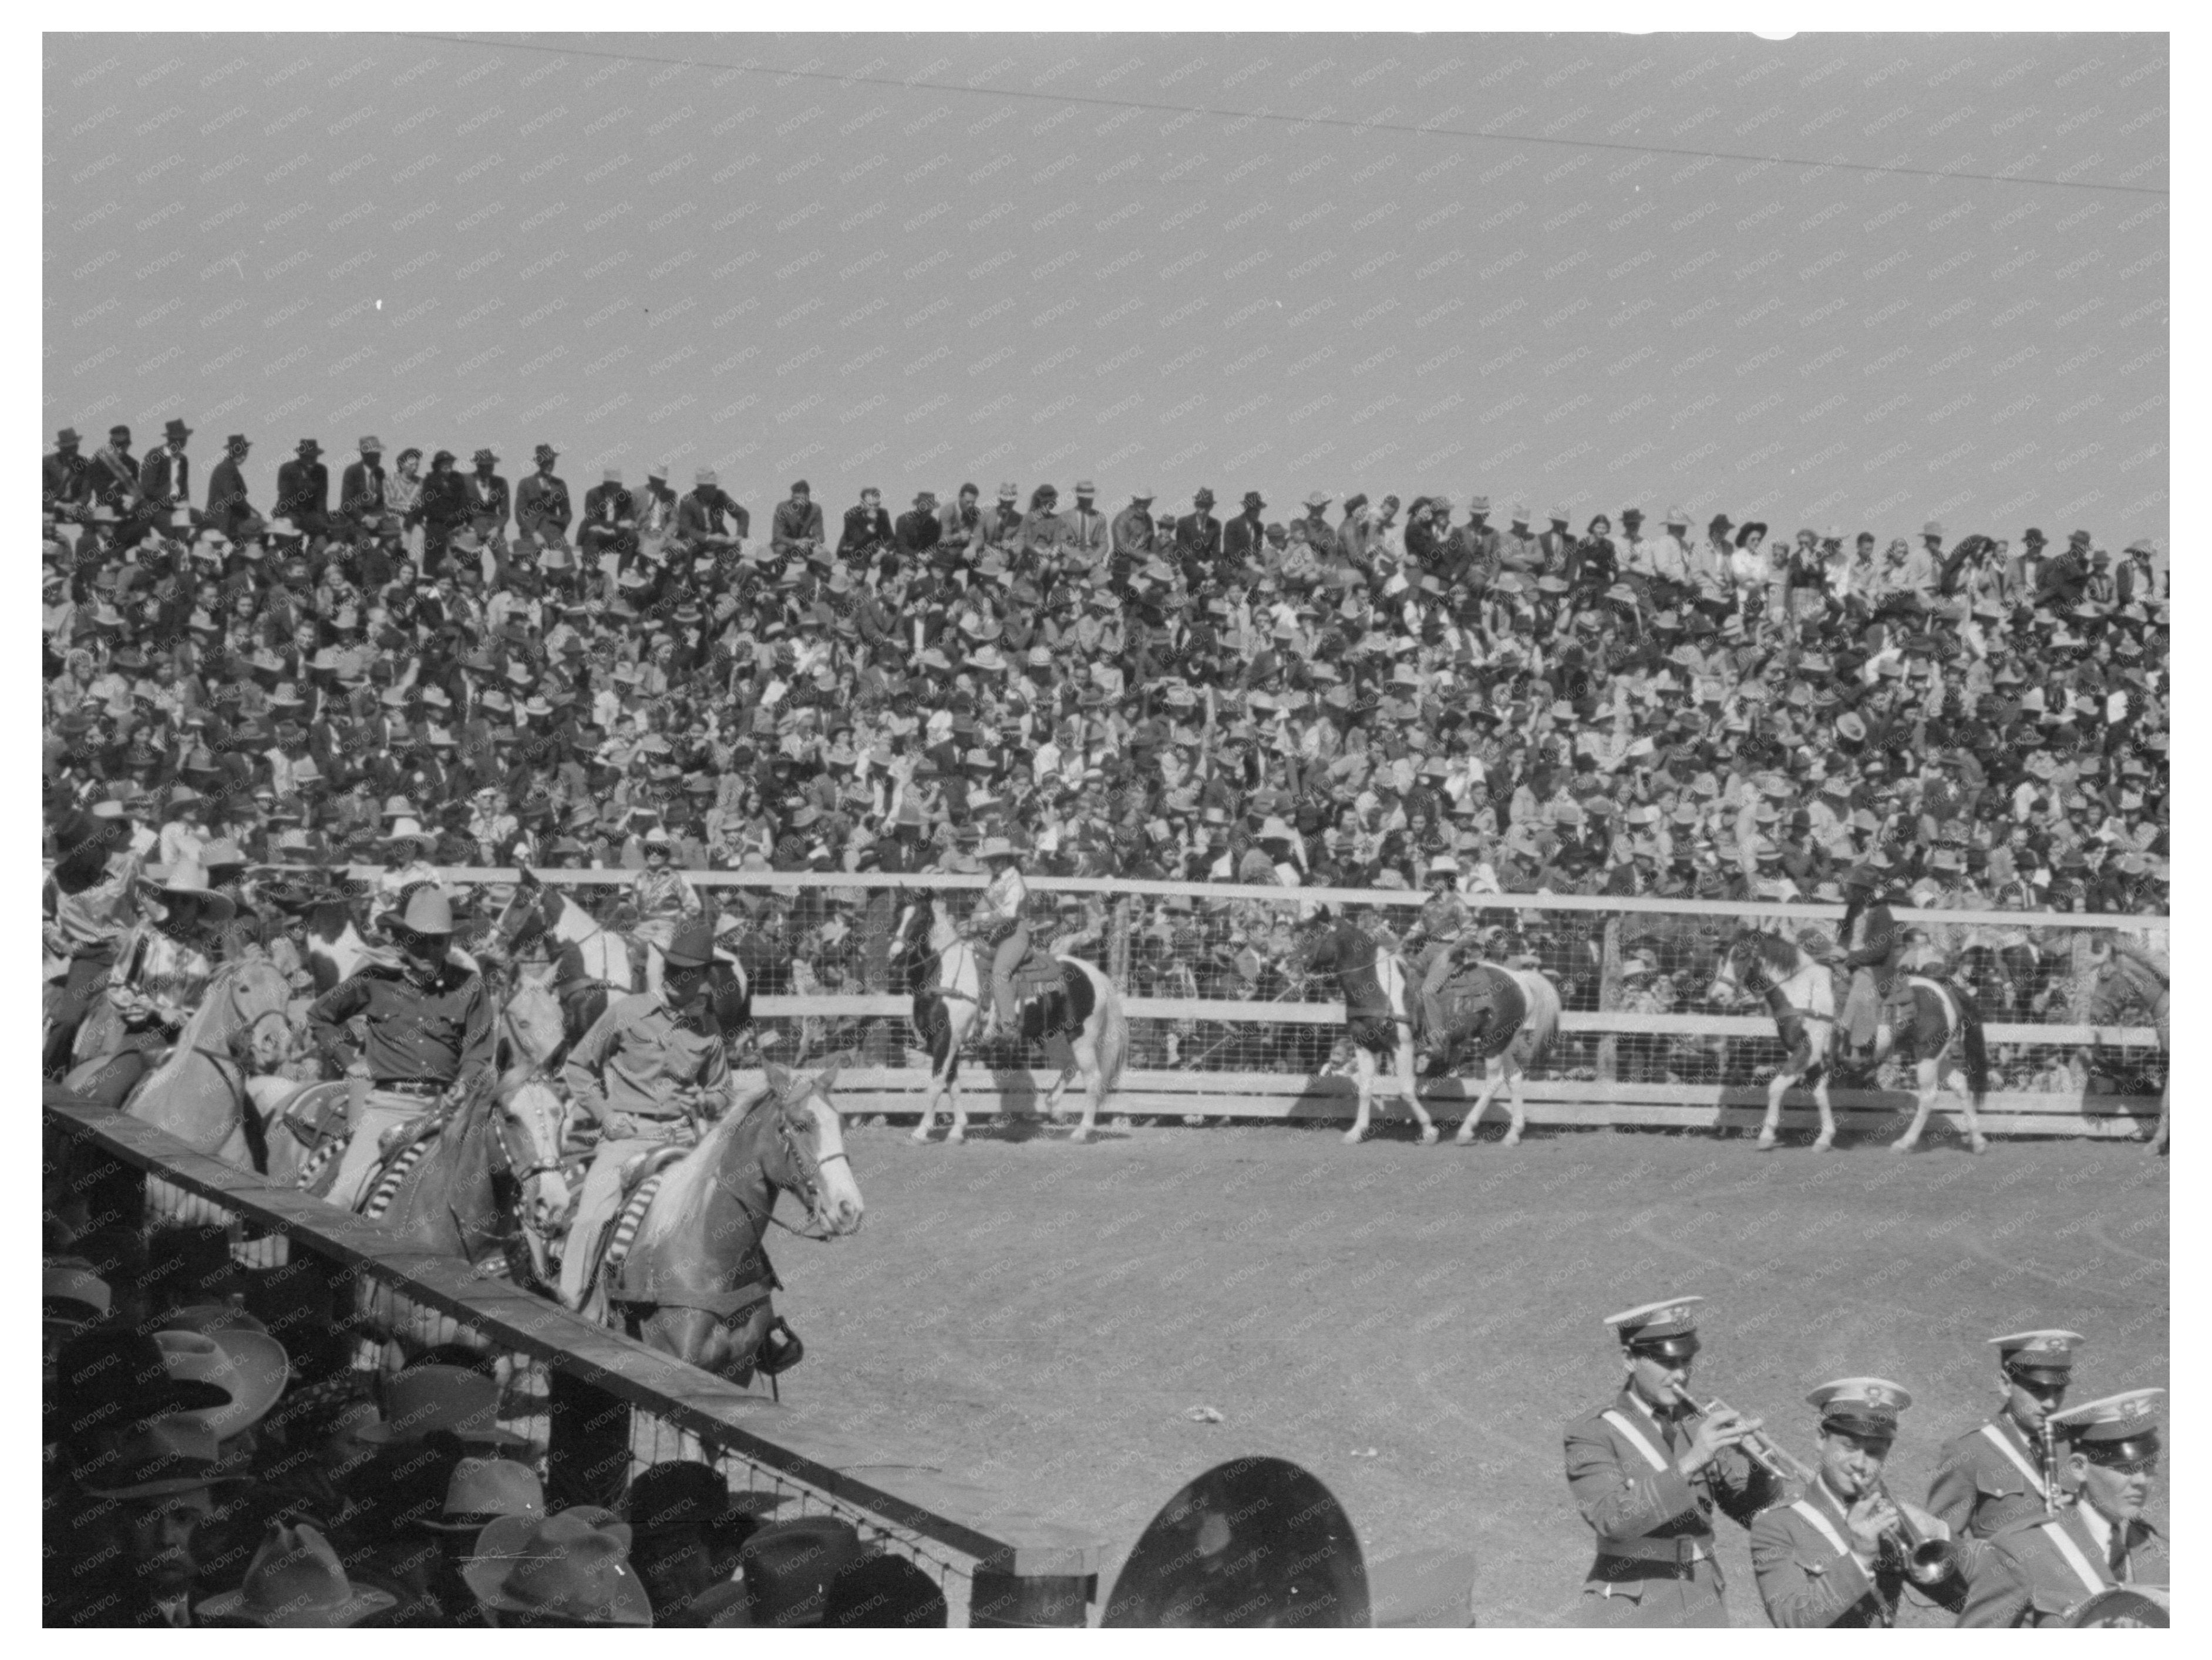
{"x": 526, "y": 916}
{"x": 1742, "y": 971}
{"x": 531, "y": 1022}
{"x": 531, "y": 1116}
{"x": 260, "y": 999}
{"x": 806, "y": 1157}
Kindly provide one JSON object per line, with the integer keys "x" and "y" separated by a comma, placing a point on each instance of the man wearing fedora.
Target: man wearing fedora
{"x": 228, "y": 508}
{"x": 303, "y": 491}
{"x": 360, "y": 488}
{"x": 541, "y": 510}
{"x": 652, "y": 1070}
{"x": 1197, "y": 534}
{"x": 708, "y": 519}
{"x": 164, "y": 480}
{"x": 427, "y": 1021}
{"x": 66, "y": 486}
{"x": 796, "y": 530}
{"x": 489, "y": 499}
{"x": 609, "y": 520}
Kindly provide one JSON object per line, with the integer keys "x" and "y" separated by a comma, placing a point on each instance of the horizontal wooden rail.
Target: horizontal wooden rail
{"x": 860, "y": 1004}
{"x": 964, "y": 1518}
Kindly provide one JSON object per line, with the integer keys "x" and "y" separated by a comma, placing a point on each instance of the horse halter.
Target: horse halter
{"x": 807, "y": 1188}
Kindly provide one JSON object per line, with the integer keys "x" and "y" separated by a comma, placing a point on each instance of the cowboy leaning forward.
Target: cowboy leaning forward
{"x": 649, "y": 1069}
{"x": 428, "y": 1024}
{"x": 1647, "y": 1482}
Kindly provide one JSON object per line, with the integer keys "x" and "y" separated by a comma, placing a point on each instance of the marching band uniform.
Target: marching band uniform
{"x": 1812, "y": 1571}
{"x": 1655, "y": 1563}
{"x": 1993, "y": 1475}
{"x": 2040, "y": 1570}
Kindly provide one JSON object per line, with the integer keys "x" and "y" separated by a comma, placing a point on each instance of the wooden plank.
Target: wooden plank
{"x": 1219, "y": 892}
{"x": 858, "y": 1006}
{"x": 682, "y": 1395}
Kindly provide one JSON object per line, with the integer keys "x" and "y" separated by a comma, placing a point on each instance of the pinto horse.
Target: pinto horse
{"x": 588, "y": 955}
{"x": 689, "y": 1274}
{"x": 2126, "y": 984}
{"x": 1527, "y": 1024}
{"x": 1799, "y": 991}
{"x": 947, "y": 978}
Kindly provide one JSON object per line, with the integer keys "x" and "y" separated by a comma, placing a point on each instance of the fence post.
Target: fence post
{"x": 1609, "y": 998}
{"x": 1117, "y": 941}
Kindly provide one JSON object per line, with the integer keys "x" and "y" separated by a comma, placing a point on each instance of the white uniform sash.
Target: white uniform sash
{"x": 1652, "y": 1455}
{"x": 1998, "y": 1439}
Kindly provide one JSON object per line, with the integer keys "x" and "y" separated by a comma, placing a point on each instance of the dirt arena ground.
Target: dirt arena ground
{"x": 1414, "y": 1325}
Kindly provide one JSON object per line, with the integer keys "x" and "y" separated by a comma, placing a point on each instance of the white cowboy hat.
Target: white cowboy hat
{"x": 428, "y": 911}
{"x": 187, "y": 879}
{"x": 296, "y": 1580}
{"x": 574, "y": 1565}
{"x": 252, "y": 1364}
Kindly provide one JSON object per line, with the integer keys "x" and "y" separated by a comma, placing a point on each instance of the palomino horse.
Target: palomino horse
{"x": 200, "y": 1093}
{"x": 691, "y": 1274}
{"x": 947, "y": 981}
{"x": 1526, "y": 1025}
{"x": 1800, "y": 993}
{"x": 2126, "y": 985}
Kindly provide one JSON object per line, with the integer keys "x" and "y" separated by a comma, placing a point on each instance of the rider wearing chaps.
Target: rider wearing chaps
{"x": 650, "y": 1070}
{"x": 1874, "y": 951}
{"x": 429, "y": 1027}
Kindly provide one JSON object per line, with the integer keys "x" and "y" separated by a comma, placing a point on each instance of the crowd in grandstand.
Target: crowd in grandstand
{"x": 428, "y": 664}
{"x": 212, "y": 1464}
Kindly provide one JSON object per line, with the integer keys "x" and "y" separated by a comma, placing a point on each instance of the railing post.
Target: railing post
{"x": 1609, "y": 998}
{"x": 1117, "y": 941}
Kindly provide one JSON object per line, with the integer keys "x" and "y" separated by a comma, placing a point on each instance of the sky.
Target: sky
{"x": 1848, "y": 281}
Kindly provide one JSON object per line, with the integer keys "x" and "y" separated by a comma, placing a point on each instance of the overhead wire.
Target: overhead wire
{"x": 1308, "y": 120}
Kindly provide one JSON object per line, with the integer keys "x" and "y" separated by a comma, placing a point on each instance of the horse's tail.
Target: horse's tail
{"x": 1973, "y": 1042}
{"x": 1542, "y": 1023}
{"x": 1113, "y": 1033}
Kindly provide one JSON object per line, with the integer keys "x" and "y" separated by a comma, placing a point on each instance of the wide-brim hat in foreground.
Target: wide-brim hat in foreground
{"x": 297, "y": 1581}
{"x": 187, "y": 879}
{"x": 427, "y": 911}
{"x": 572, "y": 1565}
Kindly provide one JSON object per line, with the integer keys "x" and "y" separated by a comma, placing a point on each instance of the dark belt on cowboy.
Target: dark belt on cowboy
{"x": 428, "y": 1088}
{"x": 1680, "y": 1552}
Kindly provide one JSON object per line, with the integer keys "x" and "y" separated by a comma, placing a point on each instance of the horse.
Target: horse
{"x": 687, "y": 1270}
{"x": 201, "y": 1093}
{"x": 335, "y": 946}
{"x": 590, "y": 959}
{"x": 2125, "y": 985}
{"x": 1799, "y": 990}
{"x": 532, "y": 1038}
{"x": 1529, "y": 1005}
{"x": 946, "y": 979}
{"x": 1943, "y": 1041}
{"x": 450, "y": 1186}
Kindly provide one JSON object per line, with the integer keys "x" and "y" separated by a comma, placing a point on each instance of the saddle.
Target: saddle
{"x": 1478, "y": 993}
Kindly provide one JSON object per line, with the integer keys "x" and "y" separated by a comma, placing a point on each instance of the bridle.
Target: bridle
{"x": 807, "y": 1187}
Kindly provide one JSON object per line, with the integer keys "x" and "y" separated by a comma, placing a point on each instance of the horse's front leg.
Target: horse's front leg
{"x": 1777, "y": 1087}
{"x": 1512, "y": 1070}
{"x": 1924, "y": 1078}
{"x": 1826, "y": 1138}
{"x": 1094, "y": 1086}
{"x": 1492, "y": 1078}
{"x": 1410, "y": 1089}
{"x": 1363, "y": 1072}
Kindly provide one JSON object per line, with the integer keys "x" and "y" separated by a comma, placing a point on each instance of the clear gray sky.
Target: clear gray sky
{"x": 1550, "y": 269}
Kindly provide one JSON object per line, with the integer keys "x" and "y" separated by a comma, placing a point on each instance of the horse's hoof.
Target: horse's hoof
{"x": 1352, "y": 1138}
{"x": 920, "y": 1134}
{"x": 1767, "y": 1141}
{"x": 1463, "y": 1138}
{"x": 1978, "y": 1142}
{"x": 1512, "y": 1139}
{"x": 1823, "y": 1143}
{"x": 1907, "y": 1145}
{"x": 1428, "y": 1136}
{"x": 1078, "y": 1134}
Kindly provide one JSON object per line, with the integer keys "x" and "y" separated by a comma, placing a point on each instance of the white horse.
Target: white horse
{"x": 947, "y": 983}
{"x": 1800, "y": 991}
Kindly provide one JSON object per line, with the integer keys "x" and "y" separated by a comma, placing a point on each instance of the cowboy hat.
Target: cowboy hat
{"x": 252, "y": 1364}
{"x": 788, "y": 1566}
{"x": 483, "y": 1489}
{"x": 574, "y": 1565}
{"x": 693, "y": 946}
{"x": 682, "y": 1493}
{"x": 296, "y": 1581}
{"x": 187, "y": 879}
{"x": 430, "y": 1397}
{"x": 428, "y": 911}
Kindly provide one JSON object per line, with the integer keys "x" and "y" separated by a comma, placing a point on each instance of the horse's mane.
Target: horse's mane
{"x": 682, "y": 1185}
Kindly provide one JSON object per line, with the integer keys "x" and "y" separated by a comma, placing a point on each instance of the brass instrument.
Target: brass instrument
{"x": 2046, "y": 1446}
{"x": 1927, "y": 1560}
{"x": 1759, "y": 1446}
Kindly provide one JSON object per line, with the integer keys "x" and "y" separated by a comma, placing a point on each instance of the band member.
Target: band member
{"x": 2037, "y": 1572}
{"x": 1647, "y": 1479}
{"x": 1844, "y": 1551}
{"x": 1993, "y": 1475}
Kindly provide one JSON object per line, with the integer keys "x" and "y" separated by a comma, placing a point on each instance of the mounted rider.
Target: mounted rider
{"x": 1872, "y": 942}
{"x": 161, "y": 972}
{"x": 1441, "y": 938}
{"x": 662, "y": 897}
{"x": 88, "y": 905}
{"x": 998, "y": 917}
{"x": 427, "y": 1021}
{"x": 651, "y": 1071}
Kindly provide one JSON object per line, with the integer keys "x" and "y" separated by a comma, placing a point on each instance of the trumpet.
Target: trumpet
{"x": 1759, "y": 1446}
{"x": 1927, "y": 1560}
